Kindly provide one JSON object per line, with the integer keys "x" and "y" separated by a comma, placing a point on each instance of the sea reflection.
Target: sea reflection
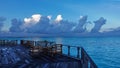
{"x": 58, "y": 40}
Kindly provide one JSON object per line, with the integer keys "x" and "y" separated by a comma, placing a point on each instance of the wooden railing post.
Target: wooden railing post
{"x": 68, "y": 50}
{"x": 21, "y": 42}
{"x": 35, "y": 43}
{"x": 16, "y": 42}
{"x": 3, "y": 42}
{"x": 78, "y": 52}
{"x": 0, "y": 42}
{"x": 85, "y": 59}
{"x": 61, "y": 48}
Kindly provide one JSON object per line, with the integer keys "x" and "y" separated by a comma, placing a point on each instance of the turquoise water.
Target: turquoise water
{"x": 105, "y": 51}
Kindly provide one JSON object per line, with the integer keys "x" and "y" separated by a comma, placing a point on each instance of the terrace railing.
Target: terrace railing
{"x": 54, "y": 48}
{"x": 81, "y": 54}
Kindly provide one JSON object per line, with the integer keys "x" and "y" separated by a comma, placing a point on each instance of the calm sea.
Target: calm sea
{"x": 105, "y": 51}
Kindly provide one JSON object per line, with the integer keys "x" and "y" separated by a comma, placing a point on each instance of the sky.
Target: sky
{"x": 69, "y": 9}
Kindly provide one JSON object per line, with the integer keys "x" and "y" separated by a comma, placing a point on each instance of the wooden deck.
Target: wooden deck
{"x": 18, "y": 56}
{"x": 41, "y": 54}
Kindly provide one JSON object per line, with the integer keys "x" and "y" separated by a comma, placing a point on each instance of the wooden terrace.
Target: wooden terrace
{"x": 41, "y": 54}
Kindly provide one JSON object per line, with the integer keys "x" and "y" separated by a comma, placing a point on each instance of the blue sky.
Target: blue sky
{"x": 69, "y": 9}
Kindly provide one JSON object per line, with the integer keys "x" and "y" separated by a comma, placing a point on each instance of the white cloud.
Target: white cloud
{"x": 81, "y": 17}
{"x": 33, "y": 20}
{"x": 49, "y": 17}
{"x": 58, "y": 18}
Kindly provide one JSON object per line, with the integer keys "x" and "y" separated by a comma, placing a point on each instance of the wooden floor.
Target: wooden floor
{"x": 18, "y": 56}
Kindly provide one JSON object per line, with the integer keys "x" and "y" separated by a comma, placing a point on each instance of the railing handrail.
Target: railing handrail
{"x": 89, "y": 58}
{"x": 84, "y": 56}
{"x": 72, "y": 46}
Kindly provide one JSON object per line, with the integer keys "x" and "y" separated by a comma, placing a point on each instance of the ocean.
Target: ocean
{"x": 105, "y": 51}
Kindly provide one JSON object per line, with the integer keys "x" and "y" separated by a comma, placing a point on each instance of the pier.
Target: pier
{"x": 42, "y": 54}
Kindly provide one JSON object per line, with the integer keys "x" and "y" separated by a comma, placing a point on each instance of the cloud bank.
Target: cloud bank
{"x": 40, "y": 24}
{"x": 45, "y": 25}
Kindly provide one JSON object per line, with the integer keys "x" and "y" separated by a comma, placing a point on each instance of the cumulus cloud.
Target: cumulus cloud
{"x": 81, "y": 25}
{"x": 41, "y": 26}
{"x": 58, "y": 18}
{"x": 33, "y": 19}
{"x": 16, "y": 26}
{"x": 98, "y": 24}
{"x": 2, "y": 19}
{"x": 66, "y": 26}
{"x": 61, "y": 27}
{"x": 49, "y": 17}
{"x": 45, "y": 26}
